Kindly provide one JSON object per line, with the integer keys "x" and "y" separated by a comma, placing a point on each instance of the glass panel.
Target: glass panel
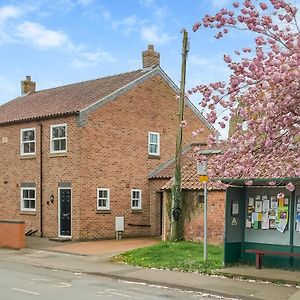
{"x": 62, "y": 131}
{"x": 25, "y": 193}
{"x": 135, "y": 203}
{"x": 56, "y": 145}
{"x": 59, "y": 132}
{"x": 32, "y": 204}
{"x": 26, "y": 203}
{"x": 28, "y": 135}
{"x": 26, "y": 148}
{"x": 31, "y": 194}
{"x": 153, "y": 148}
{"x": 153, "y": 138}
{"x": 63, "y": 145}
{"x": 102, "y": 194}
{"x": 31, "y": 147}
{"x": 55, "y": 132}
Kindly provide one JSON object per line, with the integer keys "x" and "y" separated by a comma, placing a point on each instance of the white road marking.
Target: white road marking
{"x": 121, "y": 295}
{"x": 25, "y": 291}
{"x": 62, "y": 285}
{"x": 40, "y": 279}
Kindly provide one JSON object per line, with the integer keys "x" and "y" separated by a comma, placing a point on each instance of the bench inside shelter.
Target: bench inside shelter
{"x": 260, "y": 253}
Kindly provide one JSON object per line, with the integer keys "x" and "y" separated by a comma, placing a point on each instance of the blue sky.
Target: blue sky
{"x": 65, "y": 41}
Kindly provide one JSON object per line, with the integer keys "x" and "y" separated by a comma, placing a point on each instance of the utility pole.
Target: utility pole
{"x": 176, "y": 218}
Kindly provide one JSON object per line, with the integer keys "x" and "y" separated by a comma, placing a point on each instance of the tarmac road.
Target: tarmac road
{"x": 19, "y": 281}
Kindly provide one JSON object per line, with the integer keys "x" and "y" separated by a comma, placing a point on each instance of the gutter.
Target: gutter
{"x": 41, "y": 180}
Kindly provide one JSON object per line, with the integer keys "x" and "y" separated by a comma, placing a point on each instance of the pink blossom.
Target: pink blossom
{"x": 247, "y": 50}
{"x": 272, "y": 183}
{"x": 263, "y": 6}
{"x": 249, "y": 182}
{"x": 290, "y": 187}
{"x": 227, "y": 59}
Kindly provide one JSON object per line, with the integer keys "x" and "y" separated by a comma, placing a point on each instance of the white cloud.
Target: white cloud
{"x": 92, "y": 59}
{"x": 128, "y": 25}
{"x": 8, "y": 12}
{"x": 153, "y": 34}
{"x": 40, "y": 36}
{"x": 159, "y": 11}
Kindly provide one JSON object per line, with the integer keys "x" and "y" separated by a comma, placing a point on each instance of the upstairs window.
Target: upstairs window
{"x": 103, "y": 201}
{"x": 28, "y": 141}
{"x": 28, "y": 199}
{"x": 58, "y": 134}
{"x": 136, "y": 199}
{"x": 153, "y": 143}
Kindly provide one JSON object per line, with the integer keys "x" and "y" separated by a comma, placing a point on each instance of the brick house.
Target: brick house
{"x": 76, "y": 157}
{"x": 193, "y": 198}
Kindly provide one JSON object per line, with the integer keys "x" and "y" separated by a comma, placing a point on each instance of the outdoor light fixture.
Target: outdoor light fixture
{"x": 51, "y": 198}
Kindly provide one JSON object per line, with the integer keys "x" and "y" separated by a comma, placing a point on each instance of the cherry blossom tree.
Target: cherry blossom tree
{"x": 262, "y": 93}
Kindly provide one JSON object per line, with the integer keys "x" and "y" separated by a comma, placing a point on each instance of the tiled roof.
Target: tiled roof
{"x": 68, "y": 99}
{"x": 189, "y": 176}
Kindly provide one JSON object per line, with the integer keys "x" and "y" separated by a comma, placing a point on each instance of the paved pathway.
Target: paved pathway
{"x": 94, "y": 261}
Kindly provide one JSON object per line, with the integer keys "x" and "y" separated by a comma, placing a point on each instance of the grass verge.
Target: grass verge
{"x": 185, "y": 256}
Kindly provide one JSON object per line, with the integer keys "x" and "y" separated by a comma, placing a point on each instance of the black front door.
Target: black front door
{"x": 65, "y": 212}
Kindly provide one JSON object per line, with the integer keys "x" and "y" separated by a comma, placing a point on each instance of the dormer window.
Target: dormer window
{"x": 153, "y": 143}
{"x": 58, "y": 136}
{"x": 27, "y": 141}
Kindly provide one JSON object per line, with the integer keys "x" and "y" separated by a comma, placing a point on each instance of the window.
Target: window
{"x": 103, "y": 199}
{"x": 136, "y": 199}
{"x": 28, "y": 199}
{"x": 153, "y": 143}
{"x": 27, "y": 141}
{"x": 58, "y": 134}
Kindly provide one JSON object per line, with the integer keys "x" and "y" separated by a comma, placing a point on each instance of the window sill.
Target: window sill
{"x": 103, "y": 211}
{"x": 152, "y": 156}
{"x": 32, "y": 156}
{"x": 58, "y": 154}
{"x": 24, "y": 212}
{"x": 136, "y": 211}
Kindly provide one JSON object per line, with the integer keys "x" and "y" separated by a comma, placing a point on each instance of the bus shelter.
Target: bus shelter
{"x": 263, "y": 216}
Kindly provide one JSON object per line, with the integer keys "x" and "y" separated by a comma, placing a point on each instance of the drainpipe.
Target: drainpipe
{"x": 41, "y": 180}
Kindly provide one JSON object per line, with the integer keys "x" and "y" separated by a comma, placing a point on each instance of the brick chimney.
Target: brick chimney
{"x": 150, "y": 57}
{"x": 27, "y": 86}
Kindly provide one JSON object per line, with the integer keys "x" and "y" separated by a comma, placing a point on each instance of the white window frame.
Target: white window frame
{"x": 22, "y": 199}
{"x": 25, "y": 142}
{"x": 157, "y": 144}
{"x": 55, "y": 139}
{"x": 140, "y": 199}
{"x": 107, "y": 207}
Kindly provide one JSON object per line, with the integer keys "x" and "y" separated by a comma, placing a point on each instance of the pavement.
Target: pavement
{"x": 94, "y": 258}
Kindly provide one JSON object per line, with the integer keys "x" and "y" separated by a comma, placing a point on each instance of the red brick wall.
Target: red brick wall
{"x": 119, "y": 159}
{"x": 193, "y": 224}
{"x": 110, "y": 151}
{"x": 16, "y": 169}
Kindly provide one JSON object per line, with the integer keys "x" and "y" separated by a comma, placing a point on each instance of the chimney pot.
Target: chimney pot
{"x": 150, "y": 57}
{"x": 27, "y": 86}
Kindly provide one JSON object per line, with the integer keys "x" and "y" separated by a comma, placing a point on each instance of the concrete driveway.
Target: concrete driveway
{"x": 101, "y": 247}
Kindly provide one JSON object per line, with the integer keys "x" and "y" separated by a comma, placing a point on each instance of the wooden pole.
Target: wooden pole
{"x": 176, "y": 219}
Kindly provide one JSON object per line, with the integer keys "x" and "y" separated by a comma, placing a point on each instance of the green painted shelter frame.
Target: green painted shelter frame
{"x": 238, "y": 238}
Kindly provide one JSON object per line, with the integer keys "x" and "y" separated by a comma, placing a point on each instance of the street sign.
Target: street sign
{"x": 202, "y": 167}
{"x": 203, "y": 178}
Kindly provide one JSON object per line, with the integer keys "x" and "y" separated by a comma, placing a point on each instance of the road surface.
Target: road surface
{"x": 18, "y": 281}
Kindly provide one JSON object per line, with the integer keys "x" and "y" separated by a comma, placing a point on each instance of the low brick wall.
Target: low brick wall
{"x": 12, "y": 234}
